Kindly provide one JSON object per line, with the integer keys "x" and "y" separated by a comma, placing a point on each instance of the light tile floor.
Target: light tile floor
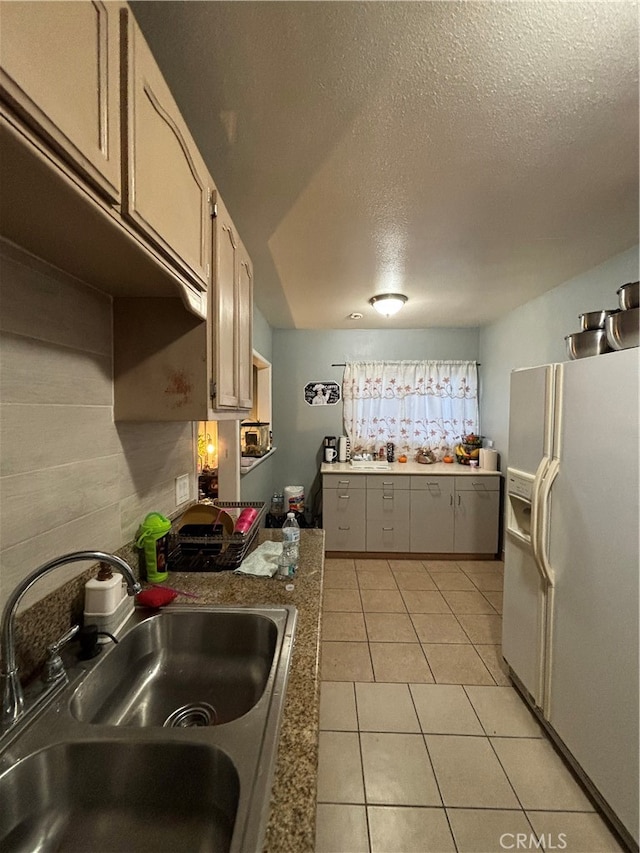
{"x": 425, "y": 747}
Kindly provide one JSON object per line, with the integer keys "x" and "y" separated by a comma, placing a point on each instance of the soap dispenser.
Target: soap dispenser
{"x": 106, "y": 603}
{"x": 103, "y": 593}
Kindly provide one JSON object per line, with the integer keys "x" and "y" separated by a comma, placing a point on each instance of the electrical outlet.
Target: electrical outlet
{"x": 182, "y": 489}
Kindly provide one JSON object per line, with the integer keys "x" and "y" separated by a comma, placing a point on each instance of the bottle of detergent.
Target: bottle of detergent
{"x": 153, "y": 538}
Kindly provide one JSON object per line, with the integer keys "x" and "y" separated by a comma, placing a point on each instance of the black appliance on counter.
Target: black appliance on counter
{"x": 330, "y": 448}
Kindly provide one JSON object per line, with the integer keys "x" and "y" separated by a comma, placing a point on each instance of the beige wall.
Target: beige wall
{"x": 70, "y": 478}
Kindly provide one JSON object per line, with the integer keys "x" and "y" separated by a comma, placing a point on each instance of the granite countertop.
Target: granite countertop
{"x": 291, "y": 827}
{"x": 411, "y": 467}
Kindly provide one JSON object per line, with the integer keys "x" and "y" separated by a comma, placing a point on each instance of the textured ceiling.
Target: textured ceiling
{"x": 471, "y": 155}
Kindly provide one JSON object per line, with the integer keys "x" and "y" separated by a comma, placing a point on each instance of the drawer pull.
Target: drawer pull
{"x": 384, "y": 483}
{"x": 344, "y": 528}
{"x": 344, "y": 497}
{"x": 387, "y": 528}
{"x": 387, "y": 497}
{"x": 345, "y": 482}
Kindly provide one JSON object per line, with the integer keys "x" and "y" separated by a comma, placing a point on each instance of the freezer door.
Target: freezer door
{"x": 593, "y": 550}
{"x": 530, "y": 417}
{"x": 523, "y": 619}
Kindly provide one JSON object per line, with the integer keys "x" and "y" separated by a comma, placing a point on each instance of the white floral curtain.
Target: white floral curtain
{"x": 414, "y": 404}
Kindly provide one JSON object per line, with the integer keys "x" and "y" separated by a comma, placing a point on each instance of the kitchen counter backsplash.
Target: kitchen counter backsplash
{"x": 47, "y": 620}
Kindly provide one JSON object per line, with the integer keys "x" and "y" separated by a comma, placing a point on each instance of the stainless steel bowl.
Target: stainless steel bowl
{"x": 629, "y": 296}
{"x": 594, "y": 319}
{"x": 589, "y": 342}
{"x": 622, "y": 329}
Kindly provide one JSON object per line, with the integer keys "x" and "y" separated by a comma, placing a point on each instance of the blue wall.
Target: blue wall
{"x": 303, "y": 356}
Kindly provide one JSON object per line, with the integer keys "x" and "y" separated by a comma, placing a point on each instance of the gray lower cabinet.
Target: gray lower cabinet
{"x": 344, "y": 512}
{"x": 388, "y": 513}
{"x": 477, "y": 505}
{"x": 418, "y": 514}
{"x": 432, "y": 514}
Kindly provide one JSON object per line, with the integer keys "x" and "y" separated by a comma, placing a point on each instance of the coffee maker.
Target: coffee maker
{"x": 329, "y": 448}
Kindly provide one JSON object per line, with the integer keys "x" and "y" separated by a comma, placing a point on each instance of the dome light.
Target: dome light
{"x": 388, "y": 304}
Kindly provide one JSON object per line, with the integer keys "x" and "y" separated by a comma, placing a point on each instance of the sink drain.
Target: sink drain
{"x": 194, "y": 714}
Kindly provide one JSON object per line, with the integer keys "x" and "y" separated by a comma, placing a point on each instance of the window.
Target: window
{"x": 414, "y": 404}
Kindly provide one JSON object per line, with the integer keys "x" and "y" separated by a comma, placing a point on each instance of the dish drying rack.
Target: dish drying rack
{"x": 217, "y": 550}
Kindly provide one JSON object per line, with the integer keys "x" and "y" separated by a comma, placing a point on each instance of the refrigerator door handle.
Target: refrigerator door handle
{"x": 536, "y": 521}
{"x": 542, "y": 521}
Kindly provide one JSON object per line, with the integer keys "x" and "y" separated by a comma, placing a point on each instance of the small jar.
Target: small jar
{"x": 277, "y": 504}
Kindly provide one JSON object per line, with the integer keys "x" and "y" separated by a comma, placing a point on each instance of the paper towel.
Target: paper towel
{"x": 488, "y": 459}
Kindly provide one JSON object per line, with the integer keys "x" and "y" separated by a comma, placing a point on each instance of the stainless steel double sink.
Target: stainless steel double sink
{"x": 166, "y": 741}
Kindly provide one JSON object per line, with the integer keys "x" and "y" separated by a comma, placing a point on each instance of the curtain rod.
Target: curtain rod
{"x": 343, "y": 364}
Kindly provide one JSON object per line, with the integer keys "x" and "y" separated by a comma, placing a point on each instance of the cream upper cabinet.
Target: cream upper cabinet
{"x": 223, "y": 311}
{"x": 166, "y": 189}
{"x": 60, "y": 71}
{"x": 244, "y": 319}
{"x": 231, "y": 316}
{"x": 169, "y": 364}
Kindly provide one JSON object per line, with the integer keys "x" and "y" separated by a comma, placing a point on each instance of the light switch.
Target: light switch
{"x": 182, "y": 489}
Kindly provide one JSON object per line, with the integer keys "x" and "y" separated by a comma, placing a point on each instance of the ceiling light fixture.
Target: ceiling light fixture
{"x": 388, "y": 304}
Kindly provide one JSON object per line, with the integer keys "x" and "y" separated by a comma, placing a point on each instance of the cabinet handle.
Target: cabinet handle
{"x": 387, "y": 528}
{"x": 459, "y": 499}
{"x": 385, "y": 483}
{"x": 450, "y": 500}
{"x": 344, "y": 528}
{"x": 387, "y": 497}
{"x": 344, "y": 497}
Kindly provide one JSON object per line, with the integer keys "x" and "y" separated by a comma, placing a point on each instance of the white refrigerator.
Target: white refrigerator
{"x": 570, "y": 622}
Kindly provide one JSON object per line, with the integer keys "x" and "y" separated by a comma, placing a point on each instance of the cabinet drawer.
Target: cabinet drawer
{"x": 429, "y": 484}
{"x": 343, "y": 519}
{"x": 344, "y": 482}
{"x": 388, "y": 521}
{"x": 378, "y": 482}
{"x": 383, "y": 506}
{"x": 484, "y": 483}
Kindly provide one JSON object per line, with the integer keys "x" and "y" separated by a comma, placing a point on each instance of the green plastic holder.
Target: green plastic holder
{"x": 153, "y": 539}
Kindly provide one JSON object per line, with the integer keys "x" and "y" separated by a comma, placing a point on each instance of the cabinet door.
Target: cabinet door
{"x": 245, "y": 330}
{"x": 432, "y": 515}
{"x": 166, "y": 192}
{"x": 388, "y": 520}
{"x": 223, "y": 312}
{"x": 343, "y": 519}
{"x": 60, "y": 73}
{"x": 476, "y": 522}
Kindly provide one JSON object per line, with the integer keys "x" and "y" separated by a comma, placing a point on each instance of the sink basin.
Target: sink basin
{"x": 167, "y": 741}
{"x": 181, "y": 670}
{"x": 119, "y": 796}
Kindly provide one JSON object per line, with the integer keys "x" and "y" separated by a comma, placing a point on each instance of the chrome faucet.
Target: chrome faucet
{"x": 12, "y": 695}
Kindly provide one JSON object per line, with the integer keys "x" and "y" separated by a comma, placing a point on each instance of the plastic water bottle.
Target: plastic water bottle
{"x": 288, "y": 561}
